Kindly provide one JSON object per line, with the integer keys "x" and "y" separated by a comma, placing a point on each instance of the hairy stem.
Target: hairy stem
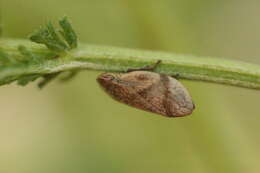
{"x": 115, "y": 59}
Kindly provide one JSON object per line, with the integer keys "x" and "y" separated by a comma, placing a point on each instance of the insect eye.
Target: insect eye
{"x": 108, "y": 77}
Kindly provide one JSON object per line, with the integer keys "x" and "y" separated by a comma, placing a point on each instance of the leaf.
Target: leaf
{"x": 4, "y": 58}
{"x": 47, "y": 79}
{"x": 49, "y": 37}
{"x": 29, "y": 56}
{"x": 26, "y": 79}
{"x": 68, "y": 33}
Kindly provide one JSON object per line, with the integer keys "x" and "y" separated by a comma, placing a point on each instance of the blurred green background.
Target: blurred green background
{"x": 76, "y": 127}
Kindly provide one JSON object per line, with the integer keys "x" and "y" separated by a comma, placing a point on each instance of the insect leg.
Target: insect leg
{"x": 146, "y": 68}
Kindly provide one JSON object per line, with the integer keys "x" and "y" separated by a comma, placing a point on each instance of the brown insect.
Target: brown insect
{"x": 149, "y": 91}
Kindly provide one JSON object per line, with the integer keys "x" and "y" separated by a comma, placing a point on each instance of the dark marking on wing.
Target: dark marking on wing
{"x": 166, "y": 103}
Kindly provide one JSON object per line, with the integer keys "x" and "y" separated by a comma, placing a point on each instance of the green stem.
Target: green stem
{"x": 115, "y": 59}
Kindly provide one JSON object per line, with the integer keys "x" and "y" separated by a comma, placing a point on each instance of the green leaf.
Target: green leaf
{"x": 49, "y": 37}
{"x": 47, "y": 79}
{"x": 26, "y": 79}
{"x": 68, "y": 33}
{"x": 29, "y": 56}
{"x": 5, "y": 58}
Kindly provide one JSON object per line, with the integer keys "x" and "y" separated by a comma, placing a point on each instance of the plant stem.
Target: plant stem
{"x": 113, "y": 59}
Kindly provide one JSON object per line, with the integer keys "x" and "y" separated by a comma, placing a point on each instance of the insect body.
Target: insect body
{"x": 149, "y": 91}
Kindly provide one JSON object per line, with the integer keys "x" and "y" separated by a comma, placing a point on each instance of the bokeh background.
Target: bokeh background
{"x": 76, "y": 127}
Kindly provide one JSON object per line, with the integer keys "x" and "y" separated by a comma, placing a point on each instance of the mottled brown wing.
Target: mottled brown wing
{"x": 167, "y": 97}
{"x": 178, "y": 101}
{"x": 150, "y": 99}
